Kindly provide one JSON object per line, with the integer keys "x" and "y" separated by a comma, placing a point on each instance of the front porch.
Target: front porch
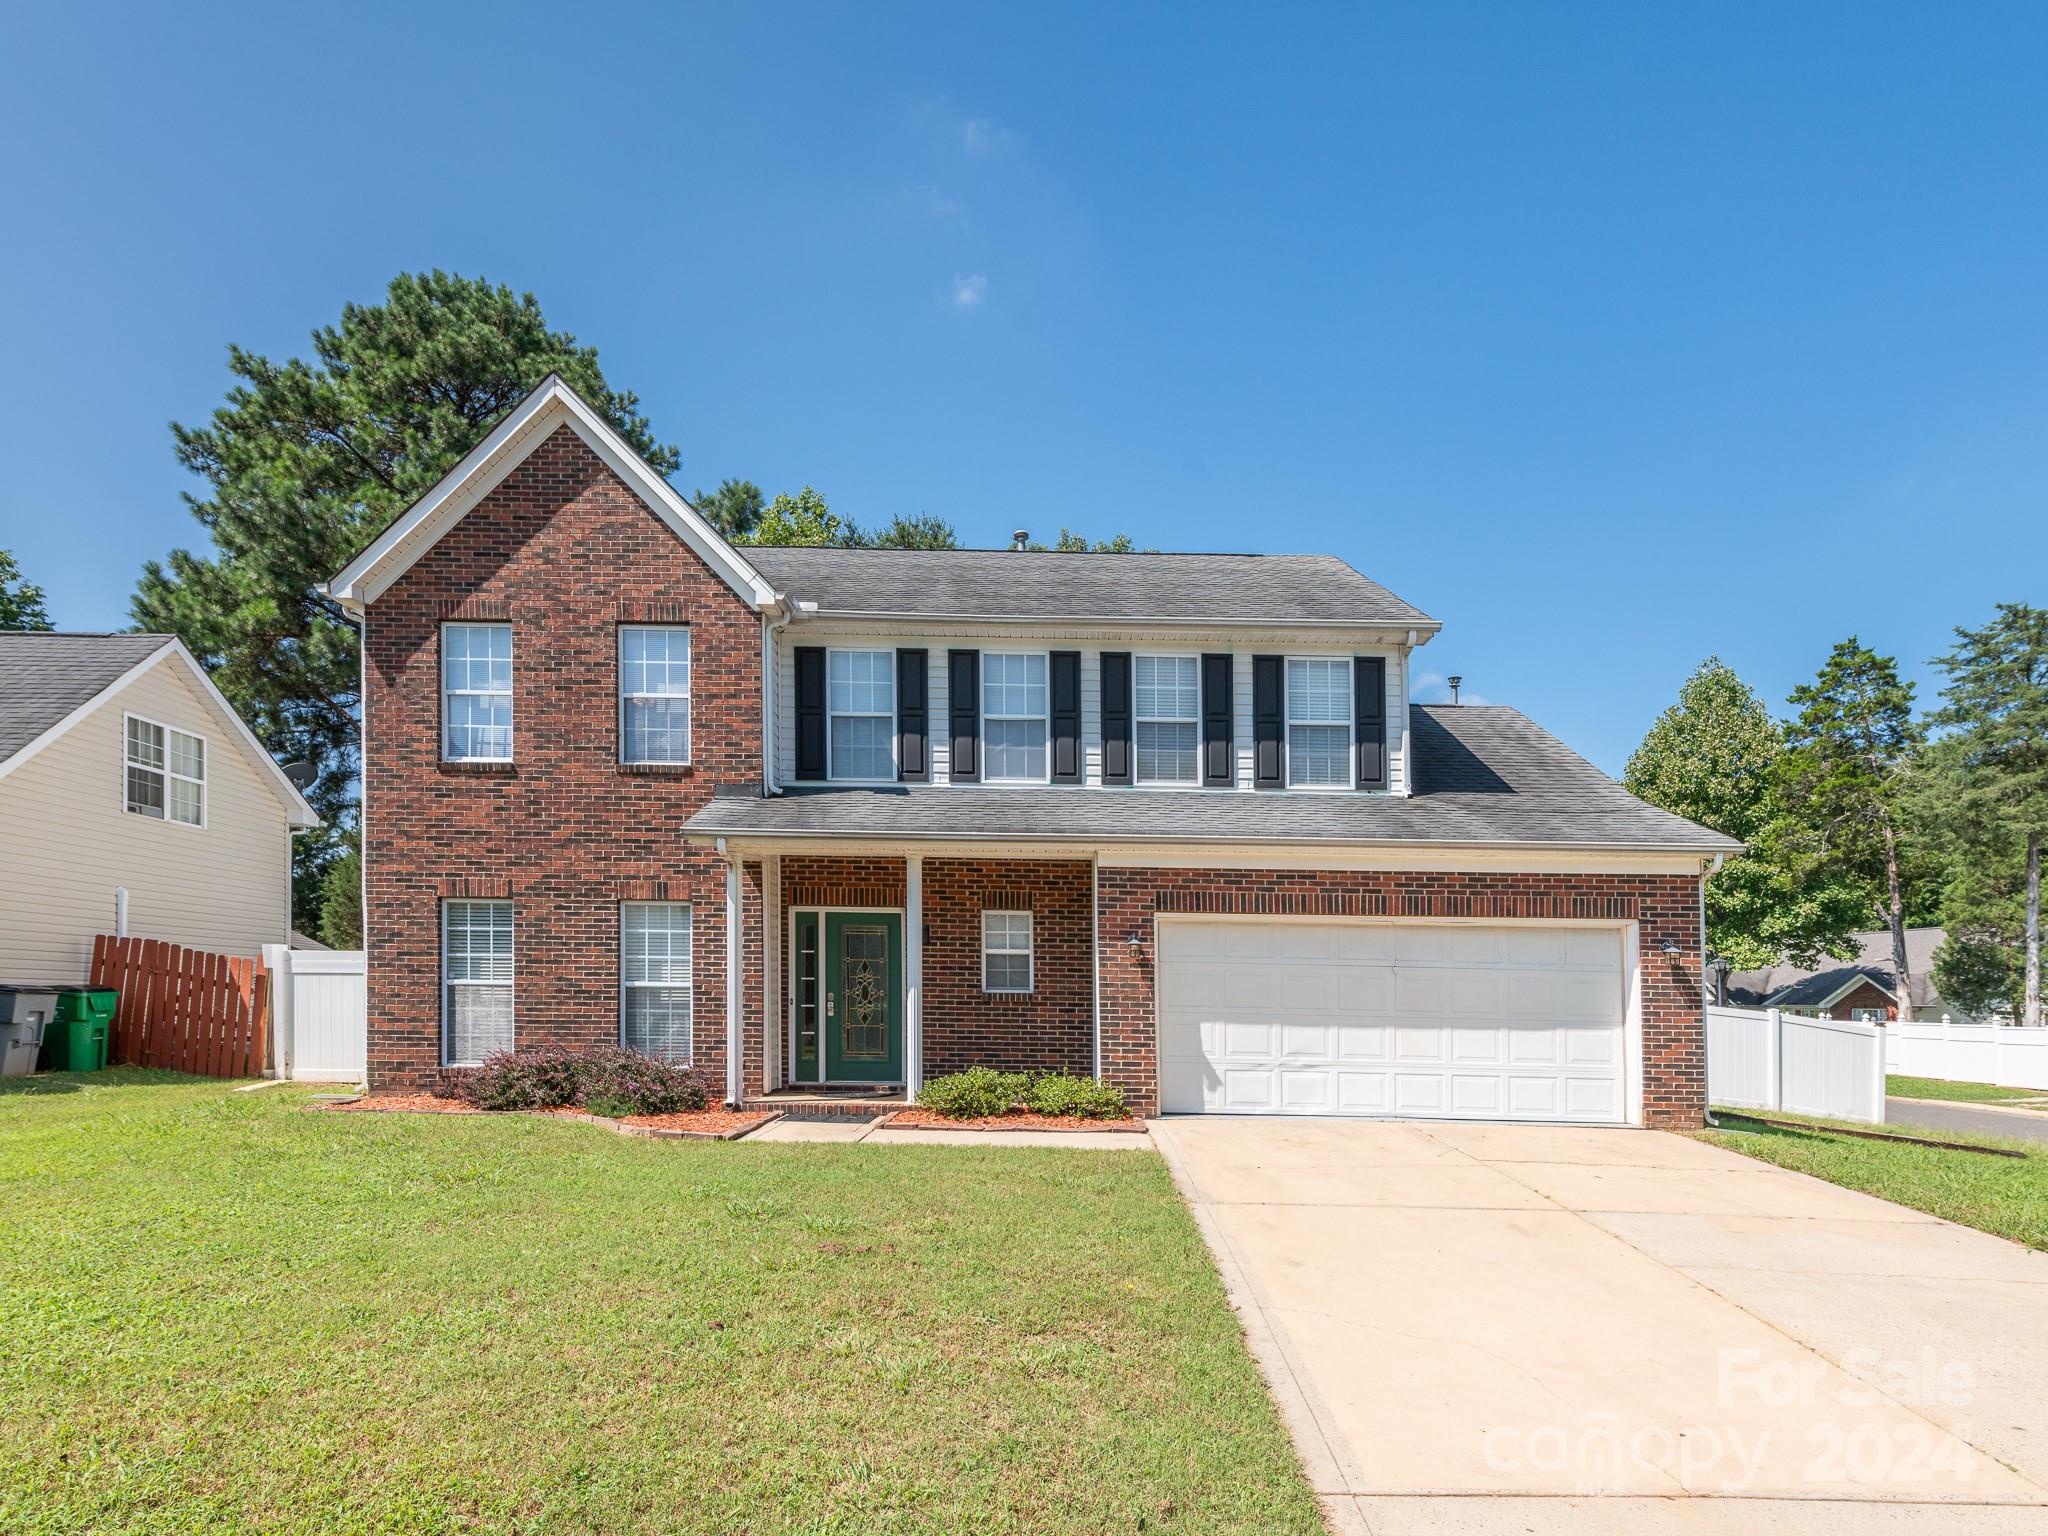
{"x": 863, "y": 975}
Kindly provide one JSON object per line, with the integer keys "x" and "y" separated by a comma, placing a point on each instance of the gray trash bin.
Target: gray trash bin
{"x": 24, "y": 1013}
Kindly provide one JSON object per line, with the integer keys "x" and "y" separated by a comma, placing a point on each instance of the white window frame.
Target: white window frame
{"x": 832, "y": 774}
{"x": 1350, "y": 722}
{"x": 165, "y": 772}
{"x": 689, "y": 708}
{"x": 981, "y": 683}
{"x": 447, "y": 693}
{"x": 511, "y": 984}
{"x": 1029, "y": 951}
{"x": 1137, "y": 719}
{"x": 626, "y": 987}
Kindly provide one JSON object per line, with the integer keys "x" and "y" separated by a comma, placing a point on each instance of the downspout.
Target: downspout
{"x": 734, "y": 1069}
{"x": 775, "y": 619}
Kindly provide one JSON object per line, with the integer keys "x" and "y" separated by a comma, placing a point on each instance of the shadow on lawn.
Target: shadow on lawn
{"x": 112, "y": 1077}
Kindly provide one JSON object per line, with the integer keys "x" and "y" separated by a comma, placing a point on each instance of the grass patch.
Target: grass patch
{"x": 224, "y": 1314}
{"x": 1962, "y": 1093}
{"x": 2001, "y": 1195}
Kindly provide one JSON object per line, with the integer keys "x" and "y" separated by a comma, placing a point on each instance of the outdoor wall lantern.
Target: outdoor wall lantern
{"x": 1136, "y": 944}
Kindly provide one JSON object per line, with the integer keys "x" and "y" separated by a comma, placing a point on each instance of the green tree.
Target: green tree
{"x": 1996, "y": 703}
{"x": 909, "y": 533}
{"x": 307, "y": 460}
{"x": 341, "y": 901}
{"x": 734, "y": 509}
{"x": 804, "y": 518}
{"x": 22, "y": 603}
{"x": 1713, "y": 757}
{"x": 1072, "y": 543}
{"x": 1849, "y": 753}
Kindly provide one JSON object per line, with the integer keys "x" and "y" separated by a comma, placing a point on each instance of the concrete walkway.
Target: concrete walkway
{"x": 1939, "y": 1115}
{"x": 1493, "y": 1329}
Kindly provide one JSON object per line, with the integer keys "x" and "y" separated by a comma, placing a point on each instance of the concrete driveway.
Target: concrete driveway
{"x": 1491, "y": 1329}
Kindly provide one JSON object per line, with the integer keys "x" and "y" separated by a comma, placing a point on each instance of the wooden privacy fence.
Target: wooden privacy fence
{"x": 186, "y": 1009}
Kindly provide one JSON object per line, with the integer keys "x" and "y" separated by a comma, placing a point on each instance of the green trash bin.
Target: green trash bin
{"x": 76, "y": 1040}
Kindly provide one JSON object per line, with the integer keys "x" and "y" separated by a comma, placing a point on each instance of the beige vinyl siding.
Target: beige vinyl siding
{"x": 67, "y": 842}
{"x": 1091, "y": 643}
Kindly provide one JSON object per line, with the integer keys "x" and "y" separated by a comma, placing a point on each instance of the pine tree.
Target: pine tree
{"x": 1997, "y": 707}
{"x": 1844, "y": 775}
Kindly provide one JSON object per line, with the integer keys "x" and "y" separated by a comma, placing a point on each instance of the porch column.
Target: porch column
{"x": 734, "y": 1068}
{"x": 772, "y": 1015}
{"x": 913, "y": 975}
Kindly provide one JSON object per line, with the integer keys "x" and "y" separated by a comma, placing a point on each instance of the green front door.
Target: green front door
{"x": 863, "y": 1023}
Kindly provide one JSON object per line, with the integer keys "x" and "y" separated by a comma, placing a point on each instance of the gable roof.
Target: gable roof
{"x": 1796, "y": 986}
{"x": 1486, "y": 776}
{"x": 1044, "y": 584}
{"x": 45, "y": 676}
{"x": 49, "y": 681}
{"x": 525, "y": 427}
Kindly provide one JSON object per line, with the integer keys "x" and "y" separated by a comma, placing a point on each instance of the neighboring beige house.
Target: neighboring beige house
{"x": 123, "y": 769}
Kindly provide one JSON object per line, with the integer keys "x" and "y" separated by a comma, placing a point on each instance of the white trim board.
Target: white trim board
{"x": 529, "y": 424}
{"x": 298, "y": 814}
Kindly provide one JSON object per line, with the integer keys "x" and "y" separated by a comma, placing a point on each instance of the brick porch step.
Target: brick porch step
{"x": 811, "y": 1105}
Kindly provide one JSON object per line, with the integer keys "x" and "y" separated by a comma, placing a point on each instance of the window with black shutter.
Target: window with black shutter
{"x": 1218, "y": 771}
{"x": 810, "y": 712}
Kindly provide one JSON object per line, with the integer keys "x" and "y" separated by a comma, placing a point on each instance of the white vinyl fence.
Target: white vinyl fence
{"x": 1769, "y": 1059}
{"x": 1969, "y": 1053}
{"x": 322, "y": 1006}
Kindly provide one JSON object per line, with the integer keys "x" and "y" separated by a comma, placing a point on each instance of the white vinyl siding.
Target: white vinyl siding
{"x": 476, "y": 980}
{"x": 1014, "y": 718}
{"x": 1319, "y": 717}
{"x": 1166, "y": 698}
{"x": 164, "y": 772}
{"x": 654, "y": 694}
{"x": 654, "y": 974}
{"x": 476, "y": 693}
{"x": 860, "y": 708}
{"x": 1006, "y": 951}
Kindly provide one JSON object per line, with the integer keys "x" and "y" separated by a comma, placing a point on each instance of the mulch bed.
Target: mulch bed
{"x": 715, "y": 1123}
{"x": 1016, "y": 1120}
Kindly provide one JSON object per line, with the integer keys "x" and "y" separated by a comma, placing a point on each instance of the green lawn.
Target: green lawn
{"x": 221, "y": 1313}
{"x": 2003, "y": 1195}
{"x": 1968, "y": 1093}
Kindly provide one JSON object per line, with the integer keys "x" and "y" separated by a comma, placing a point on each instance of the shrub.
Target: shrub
{"x": 644, "y": 1085}
{"x": 543, "y": 1077}
{"x": 976, "y": 1092}
{"x": 1058, "y": 1094}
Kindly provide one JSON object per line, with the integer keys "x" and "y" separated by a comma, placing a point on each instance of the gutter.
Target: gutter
{"x": 1093, "y": 839}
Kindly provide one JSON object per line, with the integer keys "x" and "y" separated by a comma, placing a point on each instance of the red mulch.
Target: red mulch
{"x": 1015, "y": 1120}
{"x": 417, "y": 1102}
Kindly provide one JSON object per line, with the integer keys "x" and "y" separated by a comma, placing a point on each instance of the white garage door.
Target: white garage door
{"x": 1423, "y": 1020}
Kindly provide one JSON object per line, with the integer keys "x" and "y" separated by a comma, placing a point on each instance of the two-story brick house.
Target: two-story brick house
{"x": 824, "y": 819}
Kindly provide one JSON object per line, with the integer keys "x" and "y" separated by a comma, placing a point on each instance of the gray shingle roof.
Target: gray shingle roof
{"x": 1485, "y": 775}
{"x": 43, "y": 677}
{"x": 995, "y": 583}
{"x": 1796, "y": 986}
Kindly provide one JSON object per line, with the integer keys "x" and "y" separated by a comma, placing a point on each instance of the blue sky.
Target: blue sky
{"x": 1612, "y": 336}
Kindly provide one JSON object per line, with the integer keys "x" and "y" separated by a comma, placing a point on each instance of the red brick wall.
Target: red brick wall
{"x": 1868, "y": 995}
{"x": 565, "y": 552}
{"x": 1666, "y": 906}
{"x": 1050, "y": 1028}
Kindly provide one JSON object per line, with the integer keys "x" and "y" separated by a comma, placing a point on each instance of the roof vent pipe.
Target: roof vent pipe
{"x": 1020, "y": 539}
{"x": 1456, "y": 683}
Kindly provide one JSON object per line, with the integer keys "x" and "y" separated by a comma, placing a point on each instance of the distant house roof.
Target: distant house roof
{"x": 49, "y": 681}
{"x": 44, "y": 677}
{"x": 1791, "y": 986}
{"x": 1039, "y": 584}
{"x": 1485, "y": 776}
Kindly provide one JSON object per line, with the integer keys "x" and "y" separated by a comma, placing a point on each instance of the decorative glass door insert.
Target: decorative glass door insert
{"x": 864, "y": 996}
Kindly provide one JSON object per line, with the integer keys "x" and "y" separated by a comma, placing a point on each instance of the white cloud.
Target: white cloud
{"x": 984, "y": 136}
{"x": 969, "y": 291}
